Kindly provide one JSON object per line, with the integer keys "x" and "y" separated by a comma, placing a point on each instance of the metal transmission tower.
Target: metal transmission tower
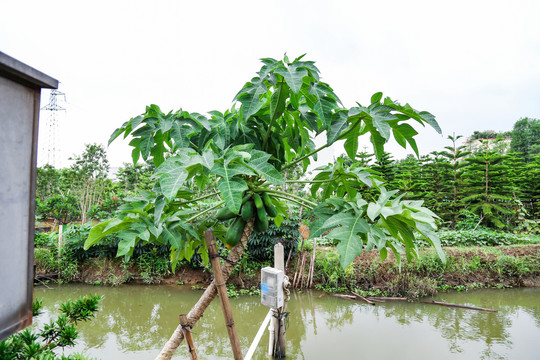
{"x": 52, "y": 124}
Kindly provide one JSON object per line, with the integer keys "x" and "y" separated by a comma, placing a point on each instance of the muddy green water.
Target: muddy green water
{"x": 135, "y": 321}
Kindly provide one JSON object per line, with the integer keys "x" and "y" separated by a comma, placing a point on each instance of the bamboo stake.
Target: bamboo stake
{"x": 312, "y": 265}
{"x": 301, "y": 280}
{"x": 294, "y": 283}
{"x": 363, "y": 298}
{"x": 222, "y": 292}
{"x": 188, "y": 337}
{"x": 458, "y": 306}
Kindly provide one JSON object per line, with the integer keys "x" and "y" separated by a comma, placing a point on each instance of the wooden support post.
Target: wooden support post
{"x": 279, "y": 323}
{"x": 222, "y": 292}
{"x": 188, "y": 337}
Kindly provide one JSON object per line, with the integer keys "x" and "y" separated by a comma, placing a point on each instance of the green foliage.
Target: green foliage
{"x": 133, "y": 177}
{"x": 248, "y": 149}
{"x": 479, "y": 238}
{"x": 62, "y": 332}
{"x": 490, "y": 134}
{"x": 489, "y": 193}
{"x": 45, "y": 239}
{"x": 105, "y": 208}
{"x": 526, "y": 138}
{"x": 89, "y": 177}
{"x": 411, "y": 286}
{"x": 47, "y": 260}
{"x": 330, "y": 274}
{"x": 63, "y": 208}
{"x": 261, "y": 245}
{"x": 152, "y": 265}
{"x": 48, "y": 182}
{"x": 467, "y": 220}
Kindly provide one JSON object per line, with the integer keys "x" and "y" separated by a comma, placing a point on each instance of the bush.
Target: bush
{"x": 152, "y": 265}
{"x": 48, "y": 261}
{"x": 105, "y": 209}
{"x": 46, "y": 239}
{"x": 59, "y": 207}
{"x": 75, "y": 236}
{"x": 479, "y": 238}
{"x": 33, "y": 343}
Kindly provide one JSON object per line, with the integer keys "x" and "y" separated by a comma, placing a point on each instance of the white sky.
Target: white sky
{"x": 474, "y": 64}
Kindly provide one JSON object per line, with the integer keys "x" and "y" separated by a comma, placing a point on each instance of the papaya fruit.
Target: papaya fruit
{"x": 270, "y": 208}
{"x": 225, "y": 214}
{"x": 247, "y": 210}
{"x": 262, "y": 219}
{"x": 234, "y": 233}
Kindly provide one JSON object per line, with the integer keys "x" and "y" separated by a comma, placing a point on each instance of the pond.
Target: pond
{"x": 135, "y": 321}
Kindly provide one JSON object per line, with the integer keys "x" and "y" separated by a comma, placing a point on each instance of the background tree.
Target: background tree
{"x": 88, "y": 177}
{"x": 133, "y": 177}
{"x": 456, "y": 156}
{"x": 526, "y": 138}
{"x": 384, "y": 166}
{"x": 489, "y": 193}
{"x": 437, "y": 187}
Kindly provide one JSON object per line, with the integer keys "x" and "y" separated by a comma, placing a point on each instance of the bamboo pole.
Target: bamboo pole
{"x": 363, "y": 298}
{"x": 187, "y": 335}
{"x": 312, "y": 265}
{"x": 457, "y": 306}
{"x": 302, "y": 277}
{"x": 209, "y": 294}
{"x": 222, "y": 292}
{"x": 350, "y": 297}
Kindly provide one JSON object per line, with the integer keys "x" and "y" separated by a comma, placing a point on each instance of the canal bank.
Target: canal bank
{"x": 465, "y": 268}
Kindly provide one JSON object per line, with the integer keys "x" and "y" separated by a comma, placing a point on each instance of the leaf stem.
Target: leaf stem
{"x": 273, "y": 118}
{"x": 199, "y": 198}
{"x": 308, "y": 181}
{"x": 205, "y": 211}
{"x": 298, "y": 198}
{"x": 294, "y": 201}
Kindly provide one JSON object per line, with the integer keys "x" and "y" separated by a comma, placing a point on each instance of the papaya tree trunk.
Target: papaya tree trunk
{"x": 209, "y": 294}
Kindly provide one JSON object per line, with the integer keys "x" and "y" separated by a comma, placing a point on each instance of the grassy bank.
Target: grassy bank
{"x": 465, "y": 268}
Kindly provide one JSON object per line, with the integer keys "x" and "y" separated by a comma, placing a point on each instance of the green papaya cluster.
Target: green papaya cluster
{"x": 258, "y": 205}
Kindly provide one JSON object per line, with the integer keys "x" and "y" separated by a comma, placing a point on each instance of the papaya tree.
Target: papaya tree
{"x": 241, "y": 156}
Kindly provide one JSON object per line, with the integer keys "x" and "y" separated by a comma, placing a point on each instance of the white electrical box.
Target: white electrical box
{"x": 272, "y": 287}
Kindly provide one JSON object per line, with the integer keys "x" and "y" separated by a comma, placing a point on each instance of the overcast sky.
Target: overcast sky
{"x": 474, "y": 64}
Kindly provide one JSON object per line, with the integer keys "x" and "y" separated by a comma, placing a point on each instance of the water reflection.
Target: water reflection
{"x": 135, "y": 321}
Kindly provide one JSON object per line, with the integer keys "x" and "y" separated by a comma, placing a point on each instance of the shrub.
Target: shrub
{"x": 105, "y": 209}
{"x": 479, "y": 238}
{"x": 33, "y": 343}
{"x": 151, "y": 265}
{"x": 411, "y": 286}
{"x": 46, "y": 239}
{"x": 261, "y": 246}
